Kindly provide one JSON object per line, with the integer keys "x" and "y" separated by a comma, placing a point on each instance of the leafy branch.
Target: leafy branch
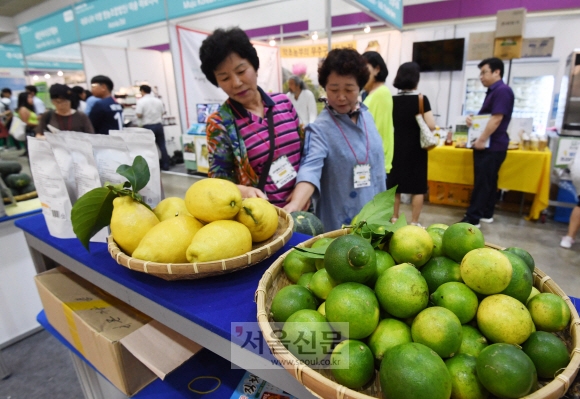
{"x": 94, "y": 210}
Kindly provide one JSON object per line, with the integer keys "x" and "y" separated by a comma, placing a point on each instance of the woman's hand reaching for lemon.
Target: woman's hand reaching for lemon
{"x": 251, "y": 192}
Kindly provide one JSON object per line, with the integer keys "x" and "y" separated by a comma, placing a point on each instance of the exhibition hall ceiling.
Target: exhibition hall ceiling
{"x": 9, "y": 8}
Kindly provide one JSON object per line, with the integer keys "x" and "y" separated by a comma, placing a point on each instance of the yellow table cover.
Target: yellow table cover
{"x": 526, "y": 171}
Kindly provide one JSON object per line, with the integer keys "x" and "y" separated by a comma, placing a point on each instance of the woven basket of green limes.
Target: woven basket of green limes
{"x": 405, "y": 312}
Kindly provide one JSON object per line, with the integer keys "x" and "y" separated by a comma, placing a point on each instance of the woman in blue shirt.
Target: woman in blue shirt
{"x": 342, "y": 165}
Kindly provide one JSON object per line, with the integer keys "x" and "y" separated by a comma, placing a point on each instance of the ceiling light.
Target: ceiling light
{"x": 47, "y": 76}
{"x": 272, "y": 42}
{"x": 315, "y": 36}
{"x": 367, "y": 29}
{"x": 35, "y": 77}
{"x": 59, "y": 73}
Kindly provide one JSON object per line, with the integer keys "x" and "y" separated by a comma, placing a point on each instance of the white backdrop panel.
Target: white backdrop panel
{"x": 147, "y": 65}
{"x": 108, "y": 61}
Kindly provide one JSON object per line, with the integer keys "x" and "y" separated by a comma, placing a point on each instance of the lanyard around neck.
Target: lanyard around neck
{"x": 348, "y": 142}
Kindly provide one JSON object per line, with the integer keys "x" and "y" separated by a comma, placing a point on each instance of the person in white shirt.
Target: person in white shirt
{"x": 38, "y": 104}
{"x": 302, "y": 99}
{"x": 150, "y": 110}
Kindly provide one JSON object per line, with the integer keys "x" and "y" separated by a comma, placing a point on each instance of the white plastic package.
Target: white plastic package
{"x": 51, "y": 188}
{"x": 142, "y": 142}
{"x": 64, "y": 159}
{"x": 110, "y": 152}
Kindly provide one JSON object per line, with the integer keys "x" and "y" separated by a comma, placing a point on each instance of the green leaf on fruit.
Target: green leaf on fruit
{"x": 314, "y": 253}
{"x": 91, "y": 213}
{"x": 380, "y": 209}
{"x": 138, "y": 174}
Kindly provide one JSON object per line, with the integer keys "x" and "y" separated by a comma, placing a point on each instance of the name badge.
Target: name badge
{"x": 282, "y": 172}
{"x": 362, "y": 176}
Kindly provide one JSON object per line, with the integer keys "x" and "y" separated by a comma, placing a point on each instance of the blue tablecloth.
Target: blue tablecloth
{"x": 19, "y": 215}
{"x": 213, "y": 302}
{"x": 175, "y": 385}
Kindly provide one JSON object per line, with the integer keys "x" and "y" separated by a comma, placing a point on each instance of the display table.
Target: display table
{"x": 525, "y": 171}
{"x": 201, "y": 310}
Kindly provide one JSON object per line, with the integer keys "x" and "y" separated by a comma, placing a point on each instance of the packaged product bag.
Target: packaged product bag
{"x": 51, "y": 188}
{"x": 86, "y": 172}
{"x": 142, "y": 142}
{"x": 64, "y": 159}
{"x": 110, "y": 152}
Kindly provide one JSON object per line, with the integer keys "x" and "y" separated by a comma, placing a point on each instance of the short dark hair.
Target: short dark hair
{"x": 145, "y": 89}
{"x": 494, "y": 64}
{"x": 23, "y": 102}
{"x": 407, "y": 76}
{"x": 344, "y": 62}
{"x": 7, "y": 90}
{"x": 104, "y": 80}
{"x": 220, "y": 44}
{"x": 88, "y": 94}
{"x": 78, "y": 90}
{"x": 32, "y": 89}
{"x": 299, "y": 82}
{"x": 375, "y": 60}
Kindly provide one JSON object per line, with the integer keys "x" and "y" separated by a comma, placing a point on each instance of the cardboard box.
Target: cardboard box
{"x": 508, "y": 48}
{"x": 126, "y": 346}
{"x": 449, "y": 193}
{"x": 510, "y": 23}
{"x": 538, "y": 47}
{"x": 480, "y": 46}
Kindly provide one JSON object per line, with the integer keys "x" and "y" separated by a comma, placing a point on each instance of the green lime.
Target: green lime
{"x": 473, "y": 341}
{"x": 411, "y": 244}
{"x": 321, "y": 284}
{"x": 460, "y": 238}
{"x": 548, "y": 352}
{"x": 458, "y": 298}
{"x": 303, "y": 334}
{"x": 437, "y": 237}
{"x": 440, "y": 270}
{"x": 304, "y": 280}
{"x": 322, "y": 309}
{"x": 549, "y": 312}
{"x": 441, "y": 226}
{"x": 439, "y": 329}
{"x": 353, "y": 364}
{"x": 355, "y": 304}
{"x": 506, "y": 371}
{"x": 520, "y": 285}
{"x": 384, "y": 261}
{"x": 291, "y": 299}
{"x": 321, "y": 243}
{"x": 464, "y": 382}
{"x": 502, "y": 318}
{"x": 402, "y": 291}
{"x": 411, "y": 371}
{"x": 295, "y": 265}
{"x": 525, "y": 255}
{"x": 388, "y": 334}
{"x": 350, "y": 258}
{"x": 486, "y": 271}
{"x": 534, "y": 292}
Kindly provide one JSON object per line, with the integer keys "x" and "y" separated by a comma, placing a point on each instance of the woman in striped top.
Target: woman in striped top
{"x": 238, "y": 135}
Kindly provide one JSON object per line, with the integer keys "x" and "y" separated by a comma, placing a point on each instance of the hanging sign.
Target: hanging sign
{"x": 102, "y": 17}
{"x": 11, "y": 56}
{"x": 313, "y": 50}
{"x": 54, "y": 30}
{"x": 182, "y": 8}
{"x": 69, "y": 66}
{"x": 390, "y": 11}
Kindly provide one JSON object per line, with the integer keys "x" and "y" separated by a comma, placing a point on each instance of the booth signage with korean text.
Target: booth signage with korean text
{"x": 102, "y": 17}
{"x": 11, "y": 56}
{"x": 390, "y": 11}
{"x": 54, "y": 30}
{"x": 177, "y": 9}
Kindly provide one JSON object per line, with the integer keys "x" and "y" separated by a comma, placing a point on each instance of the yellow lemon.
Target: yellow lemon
{"x": 130, "y": 222}
{"x": 260, "y": 217}
{"x": 221, "y": 239}
{"x": 169, "y": 208}
{"x": 209, "y": 200}
{"x": 168, "y": 241}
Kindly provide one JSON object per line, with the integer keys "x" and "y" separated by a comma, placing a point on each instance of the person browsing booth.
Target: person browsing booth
{"x": 106, "y": 114}
{"x": 499, "y": 102}
{"x": 150, "y": 110}
{"x": 255, "y": 139}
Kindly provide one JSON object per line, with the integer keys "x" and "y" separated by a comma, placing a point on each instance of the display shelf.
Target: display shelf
{"x": 175, "y": 386}
{"x": 201, "y": 310}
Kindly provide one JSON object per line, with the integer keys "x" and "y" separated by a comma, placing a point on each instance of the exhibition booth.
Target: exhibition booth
{"x": 157, "y": 42}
